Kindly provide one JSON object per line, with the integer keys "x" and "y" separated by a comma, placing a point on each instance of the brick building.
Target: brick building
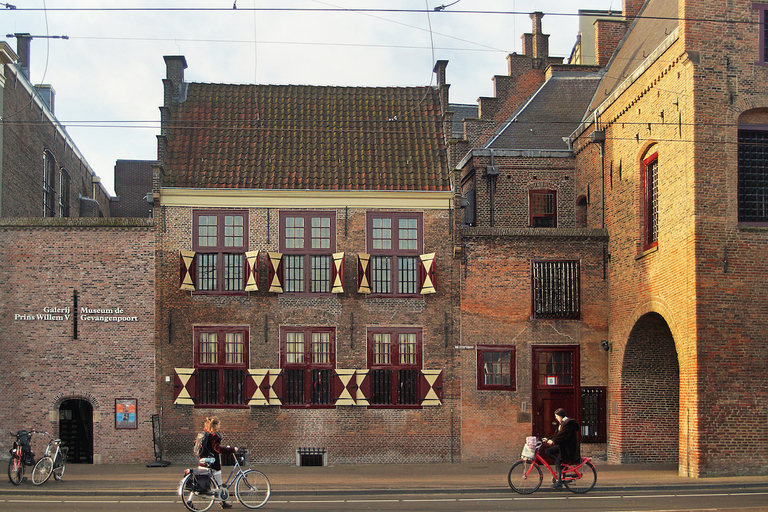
{"x": 77, "y": 335}
{"x": 683, "y": 113}
{"x": 42, "y": 172}
{"x": 305, "y": 275}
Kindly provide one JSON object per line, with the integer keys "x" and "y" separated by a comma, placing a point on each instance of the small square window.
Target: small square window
{"x": 496, "y": 367}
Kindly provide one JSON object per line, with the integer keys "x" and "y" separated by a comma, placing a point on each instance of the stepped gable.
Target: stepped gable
{"x": 307, "y": 137}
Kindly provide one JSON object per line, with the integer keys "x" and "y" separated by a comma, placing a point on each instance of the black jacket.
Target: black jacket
{"x": 567, "y": 438}
{"x": 215, "y": 450}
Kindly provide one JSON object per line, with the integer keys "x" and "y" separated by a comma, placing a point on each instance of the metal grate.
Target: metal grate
{"x": 594, "y": 424}
{"x": 753, "y": 176}
{"x": 310, "y": 457}
{"x": 556, "y": 289}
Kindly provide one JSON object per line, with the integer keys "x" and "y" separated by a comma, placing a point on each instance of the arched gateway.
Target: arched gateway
{"x": 646, "y": 421}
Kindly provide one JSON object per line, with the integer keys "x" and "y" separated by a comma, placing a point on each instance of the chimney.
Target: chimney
{"x": 631, "y": 8}
{"x": 536, "y": 44}
{"x": 22, "y": 49}
{"x": 174, "y": 74}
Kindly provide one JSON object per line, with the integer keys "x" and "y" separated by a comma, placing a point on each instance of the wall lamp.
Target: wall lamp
{"x": 605, "y": 345}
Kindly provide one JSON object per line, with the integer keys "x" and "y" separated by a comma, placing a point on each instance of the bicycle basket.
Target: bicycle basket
{"x": 529, "y": 448}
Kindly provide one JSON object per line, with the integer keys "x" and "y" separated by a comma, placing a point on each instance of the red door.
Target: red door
{"x": 555, "y": 386}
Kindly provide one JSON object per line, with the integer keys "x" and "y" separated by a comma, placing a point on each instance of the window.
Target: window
{"x": 307, "y": 359}
{"x": 49, "y": 185}
{"x": 753, "y": 174}
{"x": 221, "y": 362}
{"x": 220, "y": 240}
{"x": 394, "y": 241}
{"x": 394, "y": 362}
{"x": 307, "y": 241}
{"x": 496, "y": 367}
{"x": 555, "y": 291}
{"x": 651, "y": 201}
{"x": 543, "y": 208}
{"x": 555, "y": 368}
{"x": 594, "y": 423}
{"x": 64, "y": 193}
{"x": 763, "y": 33}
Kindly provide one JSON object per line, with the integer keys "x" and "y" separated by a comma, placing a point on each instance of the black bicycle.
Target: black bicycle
{"x": 21, "y": 455}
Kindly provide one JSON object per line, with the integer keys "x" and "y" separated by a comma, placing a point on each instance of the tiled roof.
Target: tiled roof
{"x": 307, "y": 137}
{"x": 550, "y": 114}
{"x": 655, "y": 22}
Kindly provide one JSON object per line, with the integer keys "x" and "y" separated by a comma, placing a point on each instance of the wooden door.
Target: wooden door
{"x": 555, "y": 386}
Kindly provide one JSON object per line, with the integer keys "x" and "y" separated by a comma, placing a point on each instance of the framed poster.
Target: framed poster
{"x": 125, "y": 413}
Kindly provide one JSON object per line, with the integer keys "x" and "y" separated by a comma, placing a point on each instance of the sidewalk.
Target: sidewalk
{"x": 137, "y": 480}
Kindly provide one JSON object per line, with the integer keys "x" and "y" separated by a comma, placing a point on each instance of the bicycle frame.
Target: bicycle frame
{"x": 566, "y": 469}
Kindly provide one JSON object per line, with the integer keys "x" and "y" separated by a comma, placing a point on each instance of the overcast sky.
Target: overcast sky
{"x": 108, "y": 74}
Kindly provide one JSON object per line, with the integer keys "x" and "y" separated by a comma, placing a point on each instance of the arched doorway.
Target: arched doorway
{"x": 650, "y": 394}
{"x": 76, "y": 430}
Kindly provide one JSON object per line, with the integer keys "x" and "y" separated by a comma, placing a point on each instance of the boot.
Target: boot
{"x": 224, "y": 504}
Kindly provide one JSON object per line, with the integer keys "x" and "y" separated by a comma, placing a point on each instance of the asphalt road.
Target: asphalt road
{"x": 544, "y": 500}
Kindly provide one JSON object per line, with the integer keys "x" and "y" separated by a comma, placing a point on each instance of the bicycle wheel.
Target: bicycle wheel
{"x": 42, "y": 470}
{"x": 582, "y": 484}
{"x": 15, "y": 470}
{"x": 59, "y": 466}
{"x": 525, "y": 477}
{"x": 193, "y": 500}
{"x": 252, "y": 488}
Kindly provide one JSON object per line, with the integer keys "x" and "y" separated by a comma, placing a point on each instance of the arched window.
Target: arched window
{"x": 49, "y": 185}
{"x": 753, "y": 166}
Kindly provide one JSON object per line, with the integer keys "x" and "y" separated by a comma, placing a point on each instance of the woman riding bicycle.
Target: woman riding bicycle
{"x": 214, "y": 449}
{"x": 564, "y": 444}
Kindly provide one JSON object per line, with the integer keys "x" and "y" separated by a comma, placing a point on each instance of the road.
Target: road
{"x": 722, "y": 499}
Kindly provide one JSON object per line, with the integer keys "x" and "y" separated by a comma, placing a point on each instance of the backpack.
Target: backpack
{"x": 201, "y": 445}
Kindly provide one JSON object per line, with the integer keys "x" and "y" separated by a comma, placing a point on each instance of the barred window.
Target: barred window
{"x": 308, "y": 358}
{"x": 220, "y": 240}
{"x": 594, "y": 423}
{"x": 394, "y": 241}
{"x": 49, "y": 185}
{"x": 394, "y": 361}
{"x": 651, "y": 201}
{"x": 307, "y": 240}
{"x": 753, "y": 175}
{"x": 555, "y": 291}
{"x": 221, "y": 358}
{"x": 543, "y": 208}
{"x": 64, "y": 193}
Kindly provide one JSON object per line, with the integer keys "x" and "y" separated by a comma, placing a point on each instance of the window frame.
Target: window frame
{"x": 601, "y": 420}
{"x": 221, "y": 332}
{"x": 394, "y": 253}
{"x": 64, "y": 185}
{"x": 395, "y": 365}
{"x": 762, "y": 29}
{"x": 575, "y": 291}
{"x": 650, "y": 227}
{"x": 308, "y": 366}
{"x": 307, "y": 251}
{"x": 220, "y": 249}
{"x": 761, "y": 128}
{"x": 533, "y": 215}
{"x": 49, "y": 184}
{"x": 482, "y": 385}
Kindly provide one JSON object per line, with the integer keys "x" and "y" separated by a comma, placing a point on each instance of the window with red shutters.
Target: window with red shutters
{"x": 394, "y": 363}
{"x": 220, "y": 239}
{"x": 307, "y": 359}
{"x": 307, "y": 242}
{"x": 221, "y": 363}
{"x": 394, "y": 241}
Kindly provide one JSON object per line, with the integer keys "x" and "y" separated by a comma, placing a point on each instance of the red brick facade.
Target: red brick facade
{"x": 64, "y": 285}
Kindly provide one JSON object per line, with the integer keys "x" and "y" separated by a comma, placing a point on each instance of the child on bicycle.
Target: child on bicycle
{"x": 214, "y": 449}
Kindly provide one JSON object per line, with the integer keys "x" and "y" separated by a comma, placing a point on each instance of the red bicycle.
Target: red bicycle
{"x": 21, "y": 455}
{"x": 525, "y": 475}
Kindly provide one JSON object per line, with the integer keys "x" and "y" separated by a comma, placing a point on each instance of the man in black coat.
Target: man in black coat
{"x": 564, "y": 444}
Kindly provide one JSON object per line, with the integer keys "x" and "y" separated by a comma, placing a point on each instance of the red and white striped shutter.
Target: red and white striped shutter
{"x": 431, "y": 387}
{"x": 187, "y": 270}
{"x": 428, "y": 273}
{"x": 343, "y": 387}
{"x": 337, "y": 273}
{"x": 184, "y": 386}
{"x": 259, "y": 387}
{"x": 363, "y": 391}
{"x": 363, "y": 273}
{"x": 275, "y": 272}
{"x": 252, "y": 271}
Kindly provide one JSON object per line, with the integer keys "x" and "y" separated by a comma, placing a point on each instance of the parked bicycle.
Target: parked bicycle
{"x": 53, "y": 462}
{"x": 525, "y": 475}
{"x": 21, "y": 455}
{"x": 199, "y": 488}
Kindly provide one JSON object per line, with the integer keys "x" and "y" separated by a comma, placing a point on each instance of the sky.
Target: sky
{"x": 108, "y": 73}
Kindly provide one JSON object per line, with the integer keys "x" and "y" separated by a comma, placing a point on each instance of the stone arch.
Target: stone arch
{"x": 581, "y": 211}
{"x": 77, "y": 417}
{"x": 647, "y": 416}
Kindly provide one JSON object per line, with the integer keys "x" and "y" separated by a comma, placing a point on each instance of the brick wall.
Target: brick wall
{"x": 110, "y": 265}
{"x": 348, "y": 433}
